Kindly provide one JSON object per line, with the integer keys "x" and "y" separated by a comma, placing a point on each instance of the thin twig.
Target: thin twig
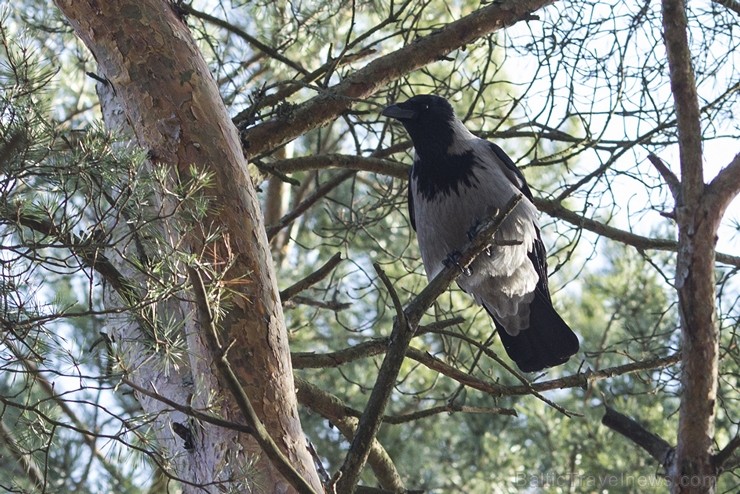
{"x": 311, "y": 279}
{"x": 301, "y": 208}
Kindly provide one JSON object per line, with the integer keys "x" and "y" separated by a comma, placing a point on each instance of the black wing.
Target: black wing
{"x": 411, "y": 203}
{"x": 538, "y": 255}
{"x": 520, "y": 181}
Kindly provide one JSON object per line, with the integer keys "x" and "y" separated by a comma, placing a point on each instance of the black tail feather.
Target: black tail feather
{"x": 546, "y": 343}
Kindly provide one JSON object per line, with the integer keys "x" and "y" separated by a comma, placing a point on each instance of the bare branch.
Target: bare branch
{"x": 733, "y": 5}
{"x": 257, "y": 44}
{"x": 336, "y": 411}
{"x": 348, "y": 162}
{"x": 683, "y": 86}
{"x": 632, "y": 430}
{"x": 723, "y": 188}
{"x": 311, "y": 279}
{"x": 727, "y": 456}
{"x": 383, "y": 70}
{"x": 301, "y": 208}
{"x": 674, "y": 184}
{"x": 403, "y": 332}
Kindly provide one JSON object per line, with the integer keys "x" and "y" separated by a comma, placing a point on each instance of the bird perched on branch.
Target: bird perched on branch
{"x": 457, "y": 181}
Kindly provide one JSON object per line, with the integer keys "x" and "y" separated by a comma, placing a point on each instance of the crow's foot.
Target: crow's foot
{"x": 473, "y": 230}
{"x": 453, "y": 259}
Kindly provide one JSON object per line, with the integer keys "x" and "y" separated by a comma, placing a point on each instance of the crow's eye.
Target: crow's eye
{"x": 426, "y": 107}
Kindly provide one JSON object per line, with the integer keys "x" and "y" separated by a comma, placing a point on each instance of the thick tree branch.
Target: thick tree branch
{"x": 344, "y": 161}
{"x": 381, "y": 71}
{"x": 635, "y": 432}
{"x": 723, "y": 189}
{"x": 733, "y": 5}
{"x": 683, "y": 86}
{"x": 727, "y": 456}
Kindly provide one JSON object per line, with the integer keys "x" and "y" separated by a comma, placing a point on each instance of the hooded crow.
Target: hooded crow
{"x": 458, "y": 181}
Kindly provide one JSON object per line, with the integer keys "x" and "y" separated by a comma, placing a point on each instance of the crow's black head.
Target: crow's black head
{"x": 428, "y": 119}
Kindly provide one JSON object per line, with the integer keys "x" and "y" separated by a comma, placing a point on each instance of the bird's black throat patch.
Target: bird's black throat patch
{"x": 443, "y": 175}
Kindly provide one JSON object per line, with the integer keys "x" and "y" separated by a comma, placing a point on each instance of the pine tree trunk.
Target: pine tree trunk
{"x": 173, "y": 105}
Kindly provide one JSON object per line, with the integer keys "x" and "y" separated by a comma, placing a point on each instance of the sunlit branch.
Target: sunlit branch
{"x": 381, "y": 71}
{"x": 338, "y": 413}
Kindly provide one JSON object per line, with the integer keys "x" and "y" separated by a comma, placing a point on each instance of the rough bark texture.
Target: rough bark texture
{"x": 173, "y": 105}
{"x": 692, "y": 470}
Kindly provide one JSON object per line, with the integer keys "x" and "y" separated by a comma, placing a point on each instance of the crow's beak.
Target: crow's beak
{"x": 395, "y": 111}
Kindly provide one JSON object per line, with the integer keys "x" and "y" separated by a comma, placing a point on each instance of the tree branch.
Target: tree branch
{"x": 632, "y": 430}
{"x": 727, "y": 455}
{"x": 189, "y": 410}
{"x": 344, "y": 161}
{"x": 733, "y": 5}
{"x": 404, "y": 329}
{"x": 338, "y": 413}
{"x": 256, "y": 44}
{"x": 301, "y": 208}
{"x": 381, "y": 71}
{"x": 553, "y": 208}
{"x": 683, "y": 86}
{"x": 311, "y": 279}
{"x": 259, "y": 432}
{"x": 674, "y": 184}
{"x": 723, "y": 188}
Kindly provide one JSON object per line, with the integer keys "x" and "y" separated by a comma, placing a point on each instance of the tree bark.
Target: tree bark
{"x": 693, "y": 470}
{"x": 174, "y": 108}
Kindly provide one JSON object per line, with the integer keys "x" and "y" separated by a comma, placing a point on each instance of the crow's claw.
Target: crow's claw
{"x": 473, "y": 230}
{"x": 453, "y": 259}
